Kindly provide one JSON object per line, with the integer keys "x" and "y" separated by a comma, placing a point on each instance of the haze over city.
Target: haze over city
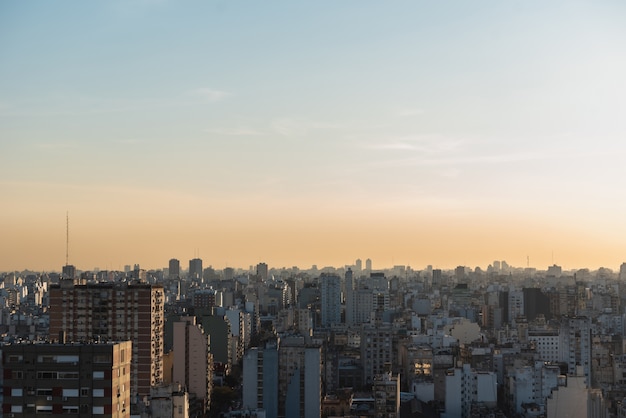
{"x": 411, "y": 133}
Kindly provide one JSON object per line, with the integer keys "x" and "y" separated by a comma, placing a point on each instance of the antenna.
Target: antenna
{"x": 67, "y": 237}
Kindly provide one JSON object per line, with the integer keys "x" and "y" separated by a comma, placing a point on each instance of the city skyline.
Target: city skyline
{"x": 297, "y": 134}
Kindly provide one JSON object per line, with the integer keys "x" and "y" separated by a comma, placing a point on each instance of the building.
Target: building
{"x": 262, "y": 271}
{"x": 575, "y": 346}
{"x": 205, "y": 298}
{"x": 114, "y": 312}
{"x": 299, "y": 379}
{"x": 260, "y": 379}
{"x": 193, "y": 362}
{"x": 195, "y": 269}
{"x": 466, "y": 388}
{"x": 169, "y": 401}
{"x": 376, "y": 350}
{"x": 81, "y": 379}
{"x": 386, "y": 390}
{"x": 330, "y": 299}
{"x": 174, "y": 269}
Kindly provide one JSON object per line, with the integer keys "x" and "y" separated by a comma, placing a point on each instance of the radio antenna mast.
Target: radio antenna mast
{"x": 67, "y": 237}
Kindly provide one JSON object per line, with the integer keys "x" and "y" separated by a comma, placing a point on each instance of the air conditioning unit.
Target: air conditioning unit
{"x": 48, "y": 398}
{"x": 64, "y": 398}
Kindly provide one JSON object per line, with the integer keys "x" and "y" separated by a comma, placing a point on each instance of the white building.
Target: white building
{"x": 465, "y": 387}
{"x": 575, "y": 345}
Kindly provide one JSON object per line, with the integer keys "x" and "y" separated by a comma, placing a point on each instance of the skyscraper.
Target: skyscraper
{"x": 195, "y": 269}
{"x": 174, "y": 268}
{"x": 114, "y": 312}
{"x": 262, "y": 271}
{"x": 368, "y": 265}
{"x": 330, "y": 299}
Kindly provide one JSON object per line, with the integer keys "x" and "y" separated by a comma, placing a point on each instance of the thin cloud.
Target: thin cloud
{"x": 411, "y": 112}
{"x": 234, "y": 131}
{"x": 211, "y": 95}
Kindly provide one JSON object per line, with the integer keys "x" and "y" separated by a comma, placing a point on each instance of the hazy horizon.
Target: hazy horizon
{"x": 411, "y": 133}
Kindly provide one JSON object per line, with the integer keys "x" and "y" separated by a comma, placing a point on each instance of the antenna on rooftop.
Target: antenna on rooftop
{"x": 67, "y": 237}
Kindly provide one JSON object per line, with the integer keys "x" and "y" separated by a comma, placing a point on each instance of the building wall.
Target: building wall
{"x": 114, "y": 312}
{"x": 87, "y": 379}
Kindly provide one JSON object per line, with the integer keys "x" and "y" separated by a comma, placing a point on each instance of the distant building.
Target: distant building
{"x": 69, "y": 272}
{"x": 330, "y": 299}
{"x": 386, "y": 388}
{"x": 466, "y": 387}
{"x": 262, "y": 271}
{"x": 377, "y": 351}
{"x": 174, "y": 268}
{"x": 195, "y": 269}
{"x": 58, "y": 379}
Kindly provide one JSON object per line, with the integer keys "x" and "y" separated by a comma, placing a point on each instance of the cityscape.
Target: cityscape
{"x": 365, "y": 209}
{"x": 351, "y": 341}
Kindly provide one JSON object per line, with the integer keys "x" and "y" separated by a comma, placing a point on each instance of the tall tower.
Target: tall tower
{"x": 262, "y": 271}
{"x": 174, "y": 269}
{"x": 368, "y": 265}
{"x": 114, "y": 312}
{"x": 349, "y": 297}
{"x": 358, "y": 265}
{"x": 330, "y": 299}
{"x": 195, "y": 269}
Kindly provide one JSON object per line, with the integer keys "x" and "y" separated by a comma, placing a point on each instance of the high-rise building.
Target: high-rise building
{"x": 358, "y": 265}
{"x": 330, "y": 299}
{"x": 377, "y": 351}
{"x": 437, "y": 279}
{"x": 575, "y": 345}
{"x": 195, "y": 269}
{"x": 300, "y": 380}
{"x": 69, "y": 272}
{"x": 262, "y": 271}
{"x": 193, "y": 362}
{"x": 349, "y": 297}
{"x": 174, "y": 269}
{"x": 114, "y": 312}
{"x": 260, "y": 379}
{"x": 368, "y": 264}
{"x": 91, "y": 380}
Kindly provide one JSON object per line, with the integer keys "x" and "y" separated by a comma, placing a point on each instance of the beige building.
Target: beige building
{"x": 114, "y": 312}
{"x": 193, "y": 362}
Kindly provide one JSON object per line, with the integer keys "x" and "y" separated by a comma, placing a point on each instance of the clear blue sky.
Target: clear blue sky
{"x": 243, "y": 130}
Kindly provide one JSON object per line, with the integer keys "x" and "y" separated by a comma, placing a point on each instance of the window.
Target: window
{"x": 70, "y": 393}
{"x": 44, "y": 409}
{"x": 17, "y": 374}
{"x": 44, "y": 392}
{"x": 98, "y": 375}
{"x": 98, "y": 410}
{"x": 84, "y": 391}
{"x": 16, "y": 392}
{"x": 68, "y": 375}
{"x": 47, "y": 375}
{"x": 16, "y": 408}
{"x": 98, "y": 393}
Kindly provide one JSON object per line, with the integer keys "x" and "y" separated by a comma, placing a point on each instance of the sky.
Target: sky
{"x": 299, "y": 133}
